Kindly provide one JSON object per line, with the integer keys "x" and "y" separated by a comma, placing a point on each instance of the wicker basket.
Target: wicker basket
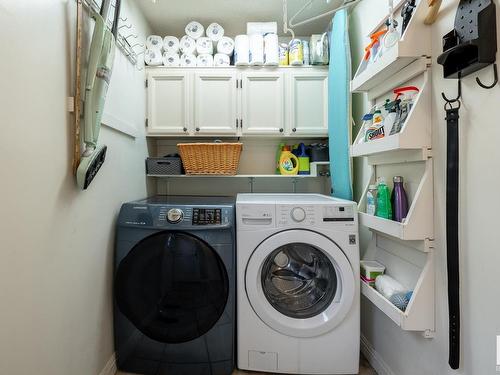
{"x": 210, "y": 158}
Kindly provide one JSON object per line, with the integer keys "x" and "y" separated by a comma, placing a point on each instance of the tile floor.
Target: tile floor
{"x": 365, "y": 369}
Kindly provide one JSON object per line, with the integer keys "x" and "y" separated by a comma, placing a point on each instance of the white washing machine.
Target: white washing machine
{"x": 298, "y": 284}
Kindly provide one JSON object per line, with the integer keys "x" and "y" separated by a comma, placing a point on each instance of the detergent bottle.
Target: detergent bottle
{"x": 304, "y": 162}
{"x": 281, "y": 146}
{"x": 289, "y": 163}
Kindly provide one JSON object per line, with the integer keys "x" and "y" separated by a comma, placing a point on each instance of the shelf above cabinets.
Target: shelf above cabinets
{"x": 413, "y": 45}
{"x": 201, "y": 102}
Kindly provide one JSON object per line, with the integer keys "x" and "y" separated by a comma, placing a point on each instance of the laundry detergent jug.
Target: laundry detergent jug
{"x": 289, "y": 163}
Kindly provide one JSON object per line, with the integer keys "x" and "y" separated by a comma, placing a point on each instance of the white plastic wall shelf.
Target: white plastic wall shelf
{"x": 419, "y": 314}
{"x": 416, "y": 132}
{"x": 414, "y": 44}
{"x": 419, "y": 224}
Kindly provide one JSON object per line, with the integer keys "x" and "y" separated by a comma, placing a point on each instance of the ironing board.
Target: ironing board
{"x": 339, "y": 106}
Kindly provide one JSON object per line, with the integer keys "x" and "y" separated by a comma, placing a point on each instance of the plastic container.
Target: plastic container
{"x": 289, "y": 163}
{"x": 384, "y": 209}
{"x": 376, "y": 130}
{"x": 370, "y": 269}
{"x": 371, "y": 200}
{"x": 304, "y": 161}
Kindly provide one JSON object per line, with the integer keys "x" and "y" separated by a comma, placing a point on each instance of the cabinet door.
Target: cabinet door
{"x": 262, "y": 103}
{"x": 168, "y": 103}
{"x": 308, "y": 108}
{"x": 215, "y": 100}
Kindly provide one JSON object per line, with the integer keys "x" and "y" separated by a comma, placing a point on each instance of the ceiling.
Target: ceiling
{"x": 169, "y": 17}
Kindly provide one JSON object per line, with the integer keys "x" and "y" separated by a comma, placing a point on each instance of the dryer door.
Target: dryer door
{"x": 300, "y": 283}
{"x": 172, "y": 286}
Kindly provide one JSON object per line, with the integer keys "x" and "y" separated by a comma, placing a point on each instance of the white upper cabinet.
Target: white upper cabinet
{"x": 272, "y": 102}
{"x": 262, "y": 103}
{"x": 169, "y": 103}
{"x": 308, "y": 103}
{"x": 215, "y": 102}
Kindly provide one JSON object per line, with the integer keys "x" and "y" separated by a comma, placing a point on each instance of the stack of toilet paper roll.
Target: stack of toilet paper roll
{"x": 198, "y": 47}
{"x": 256, "y": 49}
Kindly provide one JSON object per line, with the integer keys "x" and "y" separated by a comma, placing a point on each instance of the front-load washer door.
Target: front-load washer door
{"x": 300, "y": 283}
{"x": 172, "y": 286}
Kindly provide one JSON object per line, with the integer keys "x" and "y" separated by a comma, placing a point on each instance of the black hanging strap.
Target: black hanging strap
{"x": 452, "y": 233}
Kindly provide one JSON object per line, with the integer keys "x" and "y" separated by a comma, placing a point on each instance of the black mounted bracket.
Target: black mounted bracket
{"x": 472, "y": 44}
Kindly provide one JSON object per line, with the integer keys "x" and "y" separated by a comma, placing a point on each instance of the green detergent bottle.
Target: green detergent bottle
{"x": 384, "y": 208}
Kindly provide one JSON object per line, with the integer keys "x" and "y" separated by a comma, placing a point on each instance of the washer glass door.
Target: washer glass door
{"x": 300, "y": 283}
{"x": 172, "y": 286}
{"x": 299, "y": 280}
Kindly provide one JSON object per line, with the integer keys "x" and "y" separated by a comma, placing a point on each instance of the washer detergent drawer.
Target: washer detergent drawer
{"x": 262, "y": 361}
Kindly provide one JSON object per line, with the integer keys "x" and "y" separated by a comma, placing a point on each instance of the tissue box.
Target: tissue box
{"x": 370, "y": 269}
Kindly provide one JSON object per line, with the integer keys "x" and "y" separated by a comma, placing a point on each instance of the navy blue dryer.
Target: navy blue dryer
{"x": 174, "y": 286}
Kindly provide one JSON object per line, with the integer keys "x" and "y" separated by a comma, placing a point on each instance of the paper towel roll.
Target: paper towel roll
{"x": 215, "y": 32}
{"x": 171, "y": 59}
{"x": 188, "y": 60}
{"x": 205, "y": 60}
{"x": 171, "y": 44}
{"x": 204, "y": 46}
{"x": 271, "y": 50}
{"x": 195, "y": 30}
{"x": 187, "y": 45}
{"x": 241, "y": 50}
{"x": 225, "y": 46}
{"x": 262, "y": 28}
{"x": 256, "y": 49}
{"x": 153, "y": 57}
{"x": 154, "y": 42}
{"x": 221, "y": 59}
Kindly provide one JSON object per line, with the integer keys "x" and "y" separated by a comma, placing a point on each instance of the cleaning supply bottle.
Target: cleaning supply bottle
{"x": 367, "y": 123}
{"x": 384, "y": 209}
{"x": 371, "y": 200}
{"x": 399, "y": 200}
{"x": 304, "y": 165}
{"x": 278, "y": 157}
{"x": 376, "y": 130}
{"x": 289, "y": 163}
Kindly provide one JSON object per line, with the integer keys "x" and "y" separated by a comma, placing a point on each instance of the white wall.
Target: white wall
{"x": 408, "y": 353}
{"x": 56, "y": 242}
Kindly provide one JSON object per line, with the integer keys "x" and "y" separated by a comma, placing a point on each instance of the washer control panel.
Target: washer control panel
{"x": 288, "y": 214}
{"x": 207, "y": 216}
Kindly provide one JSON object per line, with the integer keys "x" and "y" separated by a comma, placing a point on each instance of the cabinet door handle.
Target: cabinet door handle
{"x": 237, "y": 124}
{"x": 282, "y": 130}
{"x": 197, "y": 129}
{"x": 294, "y": 130}
{"x": 185, "y": 129}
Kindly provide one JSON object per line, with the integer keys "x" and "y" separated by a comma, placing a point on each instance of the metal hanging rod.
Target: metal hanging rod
{"x": 292, "y": 24}
{"x": 121, "y": 41}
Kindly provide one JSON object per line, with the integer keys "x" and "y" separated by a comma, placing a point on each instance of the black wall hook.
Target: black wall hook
{"x": 488, "y": 87}
{"x": 449, "y": 101}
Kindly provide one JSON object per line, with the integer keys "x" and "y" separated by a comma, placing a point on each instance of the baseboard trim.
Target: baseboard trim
{"x": 374, "y": 358}
{"x": 110, "y": 368}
